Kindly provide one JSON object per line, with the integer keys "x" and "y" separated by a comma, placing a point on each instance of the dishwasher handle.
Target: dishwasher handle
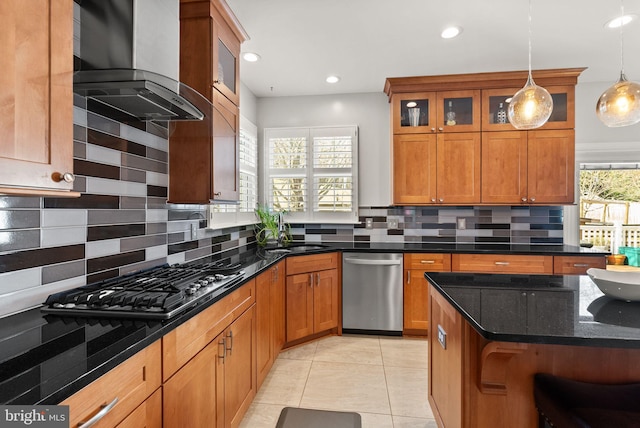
{"x": 378, "y": 262}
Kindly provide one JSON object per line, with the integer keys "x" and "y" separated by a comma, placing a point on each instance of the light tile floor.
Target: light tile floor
{"x": 382, "y": 378}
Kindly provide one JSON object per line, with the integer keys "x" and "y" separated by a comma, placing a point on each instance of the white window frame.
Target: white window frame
{"x": 309, "y": 215}
{"x": 221, "y": 215}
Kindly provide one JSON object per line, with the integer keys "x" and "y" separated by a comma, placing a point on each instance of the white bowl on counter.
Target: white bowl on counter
{"x": 619, "y": 285}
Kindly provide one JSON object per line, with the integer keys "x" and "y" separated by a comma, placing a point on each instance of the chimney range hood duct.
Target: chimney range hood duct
{"x": 129, "y": 61}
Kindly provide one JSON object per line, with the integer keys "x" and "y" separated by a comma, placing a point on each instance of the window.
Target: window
{"x": 242, "y": 213}
{"x": 312, "y": 173}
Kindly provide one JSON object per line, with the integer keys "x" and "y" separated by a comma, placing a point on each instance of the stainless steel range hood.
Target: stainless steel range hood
{"x": 129, "y": 61}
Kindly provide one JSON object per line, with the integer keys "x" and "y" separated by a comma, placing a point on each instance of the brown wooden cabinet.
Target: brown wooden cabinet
{"x": 121, "y": 391}
{"x": 36, "y": 129}
{"x": 312, "y": 295}
{"x": 203, "y": 156}
{"x": 446, "y": 356}
{"x": 577, "y": 265}
{"x": 528, "y": 167}
{"x": 270, "y": 319}
{"x": 209, "y": 367}
{"x": 502, "y": 263}
{"x": 416, "y": 289}
{"x": 436, "y": 169}
{"x": 517, "y": 167}
{"x": 562, "y": 116}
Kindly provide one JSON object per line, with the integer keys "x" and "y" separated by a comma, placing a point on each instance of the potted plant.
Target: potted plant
{"x": 267, "y": 230}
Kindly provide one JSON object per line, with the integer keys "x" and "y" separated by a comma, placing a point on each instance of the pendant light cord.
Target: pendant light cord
{"x": 530, "y": 40}
{"x": 621, "y": 38}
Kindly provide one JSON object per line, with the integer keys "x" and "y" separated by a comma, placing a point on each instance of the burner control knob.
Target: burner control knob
{"x": 211, "y": 278}
{"x": 190, "y": 290}
{"x": 203, "y": 282}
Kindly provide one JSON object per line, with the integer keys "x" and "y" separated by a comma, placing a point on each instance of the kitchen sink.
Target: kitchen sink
{"x": 295, "y": 248}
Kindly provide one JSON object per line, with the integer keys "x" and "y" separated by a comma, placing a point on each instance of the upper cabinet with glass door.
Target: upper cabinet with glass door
{"x": 226, "y": 70}
{"x": 495, "y": 105}
{"x": 436, "y": 112}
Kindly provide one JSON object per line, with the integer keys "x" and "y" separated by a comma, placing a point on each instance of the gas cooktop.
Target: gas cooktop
{"x": 157, "y": 293}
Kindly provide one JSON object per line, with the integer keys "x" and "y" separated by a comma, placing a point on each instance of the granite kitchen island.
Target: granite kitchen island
{"x": 490, "y": 333}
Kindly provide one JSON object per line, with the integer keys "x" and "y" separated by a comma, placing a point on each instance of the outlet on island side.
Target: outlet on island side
{"x": 462, "y": 223}
{"x": 392, "y": 223}
{"x": 368, "y": 223}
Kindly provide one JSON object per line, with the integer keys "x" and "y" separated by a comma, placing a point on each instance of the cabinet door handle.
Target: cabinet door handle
{"x": 408, "y": 277}
{"x": 217, "y": 194}
{"x": 433, "y": 129}
{"x": 581, "y": 265}
{"x": 318, "y": 279}
{"x": 441, "y": 199}
{"x": 106, "y": 408}
{"x": 224, "y": 349}
{"x": 310, "y": 280}
{"x": 440, "y": 129}
{"x": 533, "y": 199}
{"x": 277, "y": 272}
{"x": 502, "y": 263}
{"x": 427, "y": 262}
{"x": 230, "y": 336}
{"x": 433, "y": 199}
{"x": 524, "y": 199}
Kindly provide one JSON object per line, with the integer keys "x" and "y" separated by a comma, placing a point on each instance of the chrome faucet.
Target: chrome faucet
{"x": 282, "y": 229}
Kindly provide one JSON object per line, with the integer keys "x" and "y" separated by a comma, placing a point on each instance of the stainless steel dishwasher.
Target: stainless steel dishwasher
{"x": 372, "y": 293}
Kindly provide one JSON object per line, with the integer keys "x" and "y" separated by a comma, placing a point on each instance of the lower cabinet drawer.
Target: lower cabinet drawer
{"x": 509, "y": 263}
{"x": 434, "y": 262}
{"x": 577, "y": 265}
{"x": 121, "y": 390}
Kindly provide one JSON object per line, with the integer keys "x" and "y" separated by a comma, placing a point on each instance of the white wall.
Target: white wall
{"x": 370, "y": 111}
{"x": 248, "y": 104}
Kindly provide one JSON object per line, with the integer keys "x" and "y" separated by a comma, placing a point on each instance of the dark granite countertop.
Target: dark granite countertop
{"x": 564, "y": 310}
{"x": 46, "y": 358}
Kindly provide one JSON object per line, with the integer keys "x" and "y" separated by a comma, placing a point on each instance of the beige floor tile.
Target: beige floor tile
{"x": 285, "y": 383}
{"x": 261, "y": 415}
{"x": 408, "y": 392}
{"x": 300, "y": 352}
{"x": 402, "y": 352}
{"x": 405, "y": 422}
{"x": 346, "y": 386}
{"x": 349, "y": 349}
{"x": 374, "y": 420}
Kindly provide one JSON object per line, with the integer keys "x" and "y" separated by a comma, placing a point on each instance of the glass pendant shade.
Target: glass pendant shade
{"x": 530, "y": 107}
{"x": 620, "y": 104}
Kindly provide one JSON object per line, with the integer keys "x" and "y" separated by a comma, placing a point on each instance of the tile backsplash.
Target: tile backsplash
{"x": 121, "y": 222}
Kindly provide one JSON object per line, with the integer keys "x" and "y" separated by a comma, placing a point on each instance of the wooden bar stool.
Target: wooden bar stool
{"x": 566, "y": 403}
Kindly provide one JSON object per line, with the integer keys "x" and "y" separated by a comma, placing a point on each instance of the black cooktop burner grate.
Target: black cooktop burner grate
{"x": 160, "y": 292}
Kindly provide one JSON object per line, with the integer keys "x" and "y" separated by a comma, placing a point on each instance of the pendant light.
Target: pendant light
{"x": 531, "y": 106}
{"x": 620, "y": 104}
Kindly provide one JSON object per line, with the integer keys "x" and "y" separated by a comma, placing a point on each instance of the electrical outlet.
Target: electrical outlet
{"x": 462, "y": 223}
{"x": 369, "y": 223}
{"x": 392, "y": 223}
{"x": 194, "y": 232}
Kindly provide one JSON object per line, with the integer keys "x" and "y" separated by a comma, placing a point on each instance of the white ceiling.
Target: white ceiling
{"x": 366, "y": 41}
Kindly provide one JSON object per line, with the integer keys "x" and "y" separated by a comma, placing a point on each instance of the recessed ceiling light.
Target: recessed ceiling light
{"x": 620, "y": 21}
{"x": 332, "y": 79}
{"x": 251, "y": 56}
{"x": 450, "y": 32}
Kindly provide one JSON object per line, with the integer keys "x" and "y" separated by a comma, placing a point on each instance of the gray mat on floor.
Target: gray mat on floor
{"x": 294, "y": 417}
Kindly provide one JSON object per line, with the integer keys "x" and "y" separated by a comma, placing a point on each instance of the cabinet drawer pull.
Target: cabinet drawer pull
{"x": 581, "y": 265}
{"x": 501, "y": 263}
{"x": 106, "y": 408}
{"x": 427, "y": 262}
{"x": 230, "y": 336}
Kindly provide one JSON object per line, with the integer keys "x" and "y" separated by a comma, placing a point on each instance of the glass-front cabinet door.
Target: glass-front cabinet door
{"x": 495, "y": 105}
{"x": 458, "y": 111}
{"x": 414, "y": 113}
{"x": 226, "y": 73}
